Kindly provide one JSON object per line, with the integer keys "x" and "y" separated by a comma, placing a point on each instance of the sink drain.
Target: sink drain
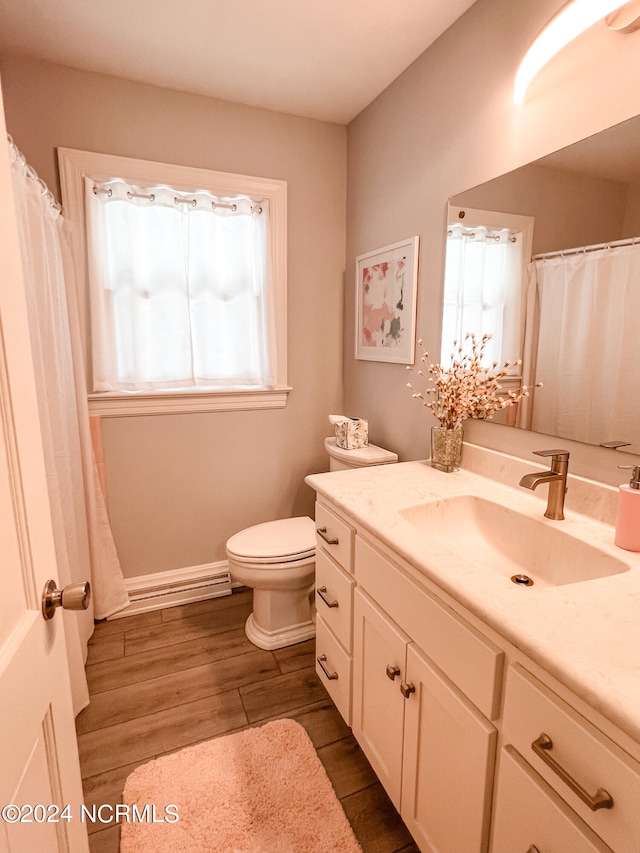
{"x": 522, "y": 580}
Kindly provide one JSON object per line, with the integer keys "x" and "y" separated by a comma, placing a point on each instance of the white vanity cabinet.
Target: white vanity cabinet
{"x": 530, "y": 817}
{"x": 334, "y": 585}
{"x": 380, "y": 652}
{"x": 431, "y": 748}
{"x": 567, "y": 760}
{"x": 479, "y": 749}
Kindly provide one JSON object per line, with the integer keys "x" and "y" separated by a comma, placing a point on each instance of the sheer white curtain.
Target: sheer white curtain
{"x": 84, "y": 546}
{"x": 483, "y": 290}
{"x": 179, "y": 289}
{"x": 587, "y": 354}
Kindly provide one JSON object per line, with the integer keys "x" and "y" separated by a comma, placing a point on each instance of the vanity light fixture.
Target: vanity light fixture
{"x": 573, "y": 19}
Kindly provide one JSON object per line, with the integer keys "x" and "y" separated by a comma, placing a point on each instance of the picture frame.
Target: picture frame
{"x": 386, "y": 292}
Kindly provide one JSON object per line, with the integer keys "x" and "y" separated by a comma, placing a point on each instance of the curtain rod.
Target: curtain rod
{"x": 630, "y": 241}
{"x": 16, "y": 154}
{"x": 489, "y": 234}
{"x": 256, "y": 207}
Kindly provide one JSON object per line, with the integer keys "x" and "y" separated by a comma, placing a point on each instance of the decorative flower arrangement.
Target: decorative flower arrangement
{"x": 466, "y": 389}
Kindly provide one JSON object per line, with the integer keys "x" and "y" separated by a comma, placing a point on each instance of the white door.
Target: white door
{"x": 39, "y": 768}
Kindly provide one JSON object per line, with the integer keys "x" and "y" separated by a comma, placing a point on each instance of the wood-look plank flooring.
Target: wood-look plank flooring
{"x": 167, "y": 679}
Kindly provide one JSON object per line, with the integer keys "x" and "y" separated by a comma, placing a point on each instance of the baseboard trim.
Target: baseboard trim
{"x": 176, "y": 586}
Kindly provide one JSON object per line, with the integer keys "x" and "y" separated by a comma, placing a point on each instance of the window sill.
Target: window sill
{"x": 114, "y": 404}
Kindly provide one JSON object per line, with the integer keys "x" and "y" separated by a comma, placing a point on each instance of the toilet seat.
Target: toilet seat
{"x": 284, "y": 541}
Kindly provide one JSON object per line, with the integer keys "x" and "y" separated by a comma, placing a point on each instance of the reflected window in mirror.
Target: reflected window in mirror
{"x": 485, "y": 281}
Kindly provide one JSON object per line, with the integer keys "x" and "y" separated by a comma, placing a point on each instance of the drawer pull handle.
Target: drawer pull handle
{"x": 332, "y": 676}
{"x": 533, "y": 849}
{"x": 322, "y": 592}
{"x": 330, "y": 540}
{"x": 600, "y": 800}
{"x": 392, "y": 671}
{"x": 407, "y": 689}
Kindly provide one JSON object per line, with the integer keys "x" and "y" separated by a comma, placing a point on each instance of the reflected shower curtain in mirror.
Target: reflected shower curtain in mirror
{"x": 588, "y": 357}
{"x": 83, "y": 541}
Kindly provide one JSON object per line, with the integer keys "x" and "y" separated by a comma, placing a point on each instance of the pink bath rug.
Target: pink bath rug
{"x": 262, "y": 790}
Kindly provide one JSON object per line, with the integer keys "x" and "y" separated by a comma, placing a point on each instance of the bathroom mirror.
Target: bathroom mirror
{"x": 582, "y": 304}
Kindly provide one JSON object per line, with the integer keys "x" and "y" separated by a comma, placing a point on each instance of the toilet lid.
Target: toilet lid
{"x": 360, "y": 457}
{"x": 275, "y": 541}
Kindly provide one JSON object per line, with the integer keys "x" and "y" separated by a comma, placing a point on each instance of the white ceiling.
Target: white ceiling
{"x": 325, "y": 59}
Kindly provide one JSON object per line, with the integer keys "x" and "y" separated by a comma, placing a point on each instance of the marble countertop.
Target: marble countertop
{"x": 585, "y": 634}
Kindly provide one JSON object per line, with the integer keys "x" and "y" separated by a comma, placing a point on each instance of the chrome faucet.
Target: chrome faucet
{"x": 556, "y": 478}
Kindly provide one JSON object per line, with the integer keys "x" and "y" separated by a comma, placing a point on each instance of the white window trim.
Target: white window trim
{"x": 115, "y": 405}
{"x": 74, "y": 166}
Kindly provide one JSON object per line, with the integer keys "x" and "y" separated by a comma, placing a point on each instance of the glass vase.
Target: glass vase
{"x": 446, "y": 448}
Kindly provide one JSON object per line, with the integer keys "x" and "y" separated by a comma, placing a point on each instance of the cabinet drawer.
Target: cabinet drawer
{"x": 334, "y": 536}
{"x": 471, "y": 661}
{"x": 530, "y": 816}
{"x": 582, "y": 756}
{"x": 333, "y": 666}
{"x": 334, "y": 598}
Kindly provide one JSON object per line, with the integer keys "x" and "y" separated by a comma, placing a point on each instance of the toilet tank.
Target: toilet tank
{"x": 361, "y": 457}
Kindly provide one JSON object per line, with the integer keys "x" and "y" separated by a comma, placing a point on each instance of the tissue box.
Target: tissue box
{"x": 352, "y": 433}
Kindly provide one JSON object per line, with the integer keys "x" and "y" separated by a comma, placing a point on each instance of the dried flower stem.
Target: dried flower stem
{"x": 466, "y": 389}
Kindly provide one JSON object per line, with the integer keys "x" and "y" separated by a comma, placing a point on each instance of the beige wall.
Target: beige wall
{"x": 569, "y": 209}
{"x": 180, "y": 485}
{"x": 631, "y": 226}
{"x": 446, "y": 124}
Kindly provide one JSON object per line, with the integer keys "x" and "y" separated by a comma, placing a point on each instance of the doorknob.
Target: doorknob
{"x": 74, "y": 596}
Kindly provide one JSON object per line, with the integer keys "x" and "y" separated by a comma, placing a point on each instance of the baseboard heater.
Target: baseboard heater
{"x": 171, "y": 593}
{"x": 220, "y": 584}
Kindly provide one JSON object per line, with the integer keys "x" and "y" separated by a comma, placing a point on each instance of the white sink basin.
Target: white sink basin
{"x": 510, "y": 543}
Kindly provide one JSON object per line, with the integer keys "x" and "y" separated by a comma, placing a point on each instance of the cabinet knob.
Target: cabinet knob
{"x": 407, "y": 689}
{"x": 392, "y": 671}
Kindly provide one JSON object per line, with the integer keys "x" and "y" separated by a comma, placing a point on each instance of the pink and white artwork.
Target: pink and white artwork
{"x": 386, "y": 282}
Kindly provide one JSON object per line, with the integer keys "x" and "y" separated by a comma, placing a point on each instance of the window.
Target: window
{"x": 485, "y": 281}
{"x": 185, "y": 286}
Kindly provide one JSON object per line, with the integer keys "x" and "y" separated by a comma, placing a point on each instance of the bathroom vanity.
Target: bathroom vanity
{"x": 500, "y": 718}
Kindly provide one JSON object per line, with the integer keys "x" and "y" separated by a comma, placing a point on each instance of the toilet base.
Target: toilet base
{"x": 279, "y": 638}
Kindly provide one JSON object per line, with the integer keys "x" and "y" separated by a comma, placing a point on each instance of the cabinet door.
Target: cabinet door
{"x": 379, "y": 656}
{"x": 529, "y": 816}
{"x": 449, "y": 757}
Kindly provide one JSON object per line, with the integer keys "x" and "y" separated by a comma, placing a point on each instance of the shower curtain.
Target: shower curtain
{"x": 84, "y": 545}
{"x": 587, "y": 353}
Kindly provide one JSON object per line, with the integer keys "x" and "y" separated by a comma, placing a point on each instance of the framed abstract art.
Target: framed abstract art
{"x": 386, "y": 288}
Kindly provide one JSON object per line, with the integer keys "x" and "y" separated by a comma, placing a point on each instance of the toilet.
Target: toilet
{"x": 277, "y": 560}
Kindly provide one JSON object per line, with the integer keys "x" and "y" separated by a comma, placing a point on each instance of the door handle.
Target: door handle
{"x": 74, "y": 596}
